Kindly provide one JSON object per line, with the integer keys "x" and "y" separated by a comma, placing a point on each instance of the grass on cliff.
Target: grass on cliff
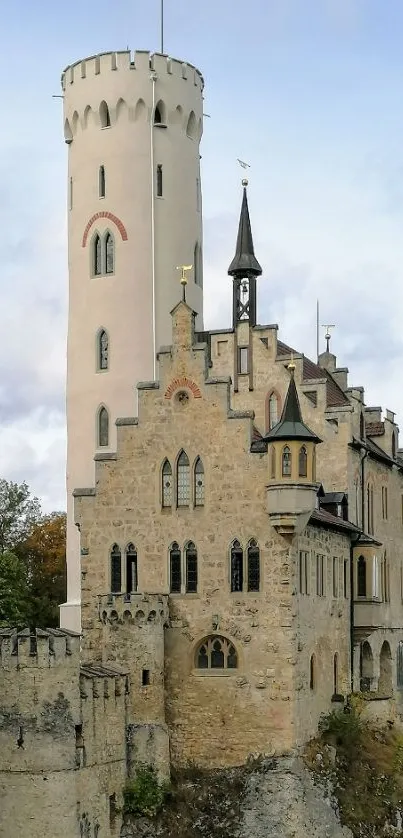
{"x": 363, "y": 764}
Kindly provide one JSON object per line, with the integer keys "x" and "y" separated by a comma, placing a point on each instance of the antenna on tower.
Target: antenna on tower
{"x": 162, "y": 26}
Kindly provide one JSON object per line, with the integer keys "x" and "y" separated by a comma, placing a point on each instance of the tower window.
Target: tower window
{"x": 103, "y": 350}
{"x": 97, "y": 255}
{"x": 199, "y": 483}
{"x": 160, "y": 114}
{"x": 243, "y": 360}
{"x": 253, "y": 566}
{"x": 361, "y": 577}
{"x": 101, "y": 182}
{"x": 131, "y": 569}
{"x": 191, "y": 568}
{"x": 236, "y": 567}
{"x": 286, "y": 462}
{"x": 116, "y": 569}
{"x": 104, "y": 115}
{"x": 103, "y": 427}
{"x": 183, "y": 480}
{"x": 302, "y": 462}
{"x": 166, "y": 484}
{"x": 175, "y": 575}
{"x": 109, "y": 253}
{"x": 159, "y": 180}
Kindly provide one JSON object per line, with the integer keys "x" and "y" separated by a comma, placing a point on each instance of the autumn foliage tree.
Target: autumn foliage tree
{"x": 32, "y": 559}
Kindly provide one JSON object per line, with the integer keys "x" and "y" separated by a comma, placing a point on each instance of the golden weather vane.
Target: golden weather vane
{"x": 184, "y": 280}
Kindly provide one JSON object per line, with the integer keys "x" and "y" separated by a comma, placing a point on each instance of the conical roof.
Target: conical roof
{"x": 244, "y": 263}
{"x": 291, "y": 425}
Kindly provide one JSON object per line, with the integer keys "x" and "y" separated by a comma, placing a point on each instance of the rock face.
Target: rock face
{"x": 278, "y": 799}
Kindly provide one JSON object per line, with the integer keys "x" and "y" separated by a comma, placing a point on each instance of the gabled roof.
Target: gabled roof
{"x": 291, "y": 425}
{"x": 335, "y": 396}
{"x": 244, "y": 263}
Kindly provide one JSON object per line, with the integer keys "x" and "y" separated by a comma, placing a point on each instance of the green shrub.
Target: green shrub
{"x": 144, "y": 795}
{"x": 344, "y": 727}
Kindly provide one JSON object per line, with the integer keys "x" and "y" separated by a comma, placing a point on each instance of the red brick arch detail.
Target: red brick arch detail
{"x": 182, "y": 382}
{"x": 119, "y": 224}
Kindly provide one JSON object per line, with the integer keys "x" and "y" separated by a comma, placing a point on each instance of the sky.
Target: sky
{"x": 309, "y": 93}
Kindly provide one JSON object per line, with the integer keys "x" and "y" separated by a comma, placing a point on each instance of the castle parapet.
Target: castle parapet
{"x": 125, "y": 60}
{"x": 42, "y": 648}
{"x": 137, "y": 608}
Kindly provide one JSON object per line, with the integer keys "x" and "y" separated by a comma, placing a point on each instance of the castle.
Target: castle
{"x": 241, "y": 560}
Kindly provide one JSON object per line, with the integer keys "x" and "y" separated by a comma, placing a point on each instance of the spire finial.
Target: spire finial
{"x": 291, "y": 365}
{"x": 328, "y": 326}
{"x": 184, "y": 279}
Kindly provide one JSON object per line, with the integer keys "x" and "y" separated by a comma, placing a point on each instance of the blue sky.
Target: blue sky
{"x": 309, "y": 92}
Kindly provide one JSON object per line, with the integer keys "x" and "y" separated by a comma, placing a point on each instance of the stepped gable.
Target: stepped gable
{"x": 334, "y": 394}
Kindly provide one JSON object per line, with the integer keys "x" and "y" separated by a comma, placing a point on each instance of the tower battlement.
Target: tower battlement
{"x": 138, "y": 608}
{"x": 126, "y": 60}
{"x": 41, "y": 648}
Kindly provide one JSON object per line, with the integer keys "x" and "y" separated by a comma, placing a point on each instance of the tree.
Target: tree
{"x": 44, "y": 555}
{"x": 18, "y": 512}
{"x": 14, "y": 605}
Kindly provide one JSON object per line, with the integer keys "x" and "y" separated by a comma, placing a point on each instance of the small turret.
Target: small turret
{"x": 292, "y": 488}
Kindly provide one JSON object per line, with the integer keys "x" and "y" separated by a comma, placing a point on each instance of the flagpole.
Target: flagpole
{"x": 162, "y": 26}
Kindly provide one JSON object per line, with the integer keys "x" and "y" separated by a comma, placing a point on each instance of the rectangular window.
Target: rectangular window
{"x": 253, "y": 569}
{"x": 345, "y": 582}
{"x": 243, "y": 360}
{"x": 303, "y": 572}
{"x": 191, "y": 572}
{"x": 236, "y": 569}
{"x": 320, "y": 575}
{"x": 145, "y": 678}
{"x": 159, "y": 180}
{"x": 335, "y": 577}
{"x": 400, "y": 665}
{"x": 116, "y": 573}
{"x": 385, "y": 503}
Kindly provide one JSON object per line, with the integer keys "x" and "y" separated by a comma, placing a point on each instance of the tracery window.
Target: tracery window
{"x": 166, "y": 484}
{"x": 183, "y": 480}
{"x": 103, "y": 350}
{"x": 175, "y": 574}
{"x": 286, "y": 462}
{"x": 109, "y": 254}
{"x": 131, "y": 569}
{"x": 103, "y": 427}
{"x": 302, "y": 462}
{"x": 216, "y": 653}
{"x": 191, "y": 568}
{"x": 236, "y": 566}
{"x": 199, "y": 483}
{"x": 116, "y": 569}
{"x": 97, "y": 255}
{"x": 253, "y": 566}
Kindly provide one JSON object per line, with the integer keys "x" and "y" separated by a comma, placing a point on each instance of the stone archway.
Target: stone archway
{"x": 385, "y": 670}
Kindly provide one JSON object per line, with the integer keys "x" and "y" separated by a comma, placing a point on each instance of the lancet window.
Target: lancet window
{"x": 175, "y": 570}
{"x": 116, "y": 569}
{"x": 286, "y": 462}
{"x": 183, "y": 480}
{"x": 199, "y": 483}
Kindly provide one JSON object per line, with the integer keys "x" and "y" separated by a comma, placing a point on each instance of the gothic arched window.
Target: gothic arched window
{"x": 175, "y": 574}
{"x": 183, "y": 480}
{"x": 272, "y": 410}
{"x": 103, "y": 350}
{"x": 116, "y": 569}
{"x": 109, "y": 254}
{"x": 199, "y": 483}
{"x": 166, "y": 484}
{"x": 97, "y": 255}
{"x": 286, "y": 462}
{"x": 361, "y": 577}
{"x": 191, "y": 568}
{"x": 159, "y": 114}
{"x": 272, "y": 462}
{"x": 159, "y": 180}
{"x": 104, "y": 115}
{"x": 302, "y": 462}
{"x": 253, "y": 566}
{"x": 103, "y": 427}
{"x": 236, "y": 566}
{"x": 101, "y": 182}
{"x": 131, "y": 569}
{"x": 216, "y": 653}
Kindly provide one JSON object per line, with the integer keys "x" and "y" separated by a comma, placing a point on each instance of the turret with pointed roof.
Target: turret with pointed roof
{"x": 244, "y": 268}
{"x": 291, "y": 425}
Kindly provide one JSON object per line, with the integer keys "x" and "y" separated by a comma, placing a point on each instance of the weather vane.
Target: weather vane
{"x": 328, "y": 326}
{"x": 243, "y": 165}
{"x": 184, "y": 280}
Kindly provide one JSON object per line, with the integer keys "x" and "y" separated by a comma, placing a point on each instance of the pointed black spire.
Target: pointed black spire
{"x": 291, "y": 425}
{"x": 244, "y": 263}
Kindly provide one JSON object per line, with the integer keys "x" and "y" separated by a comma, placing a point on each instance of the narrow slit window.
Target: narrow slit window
{"x": 116, "y": 569}
{"x": 286, "y": 462}
{"x": 191, "y": 568}
{"x": 253, "y": 566}
{"x": 159, "y": 181}
{"x": 175, "y": 575}
{"x": 103, "y": 350}
{"x": 109, "y": 253}
{"x": 273, "y": 462}
{"x": 183, "y": 480}
{"x": 101, "y": 182}
{"x": 145, "y": 677}
{"x": 166, "y": 484}
{"x": 243, "y": 360}
{"x": 236, "y": 567}
{"x": 361, "y": 577}
{"x": 336, "y": 674}
{"x": 312, "y": 673}
{"x": 103, "y": 427}
{"x": 131, "y": 569}
{"x": 302, "y": 462}
{"x": 273, "y": 411}
{"x": 104, "y": 115}
{"x": 199, "y": 483}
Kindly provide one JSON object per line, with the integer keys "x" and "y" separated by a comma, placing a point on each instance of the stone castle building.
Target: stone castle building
{"x": 241, "y": 568}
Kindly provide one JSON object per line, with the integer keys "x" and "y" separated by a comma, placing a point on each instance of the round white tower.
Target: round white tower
{"x": 133, "y": 127}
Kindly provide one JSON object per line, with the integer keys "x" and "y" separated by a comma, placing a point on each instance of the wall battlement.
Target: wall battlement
{"x": 138, "y": 608}
{"x": 41, "y": 648}
{"x": 140, "y": 61}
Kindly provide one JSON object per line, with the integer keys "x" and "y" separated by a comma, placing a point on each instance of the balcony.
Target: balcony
{"x": 370, "y": 614}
